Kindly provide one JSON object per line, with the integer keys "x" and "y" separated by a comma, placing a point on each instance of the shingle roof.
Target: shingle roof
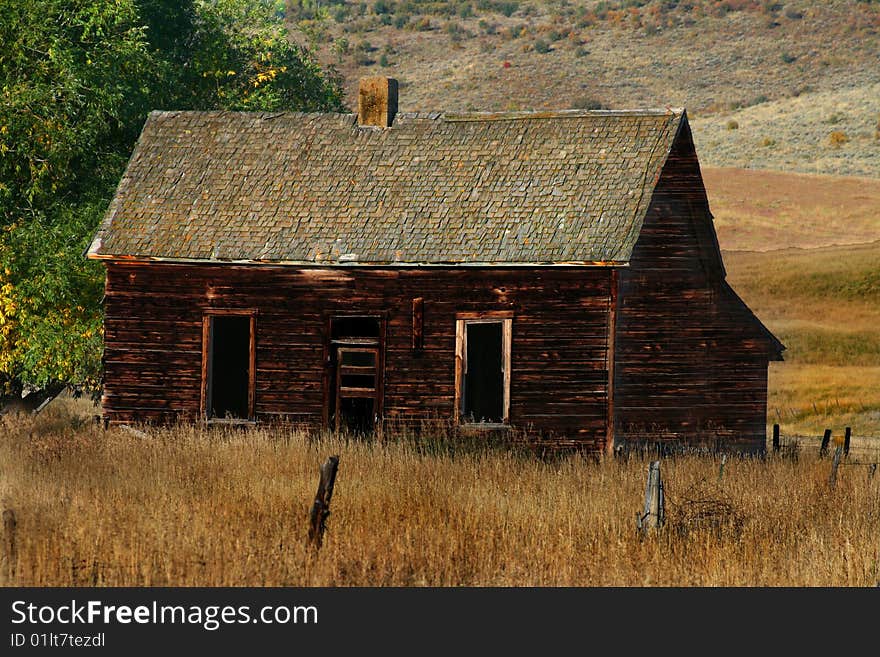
{"x": 481, "y": 188}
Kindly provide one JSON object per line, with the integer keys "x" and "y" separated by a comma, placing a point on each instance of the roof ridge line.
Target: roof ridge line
{"x": 451, "y": 117}
{"x": 557, "y": 114}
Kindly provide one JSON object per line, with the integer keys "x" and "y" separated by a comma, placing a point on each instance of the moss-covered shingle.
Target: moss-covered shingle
{"x": 509, "y": 188}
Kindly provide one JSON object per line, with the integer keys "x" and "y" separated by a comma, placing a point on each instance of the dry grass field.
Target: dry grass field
{"x": 183, "y": 507}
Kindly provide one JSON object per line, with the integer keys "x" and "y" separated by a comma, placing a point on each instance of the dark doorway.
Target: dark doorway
{"x": 356, "y": 328}
{"x": 484, "y": 378}
{"x": 229, "y": 367}
{"x": 355, "y": 391}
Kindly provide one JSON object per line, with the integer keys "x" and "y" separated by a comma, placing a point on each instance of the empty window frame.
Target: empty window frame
{"x": 228, "y": 365}
{"x": 482, "y": 367}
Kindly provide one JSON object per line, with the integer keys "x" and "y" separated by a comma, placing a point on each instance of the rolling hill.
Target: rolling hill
{"x": 799, "y": 80}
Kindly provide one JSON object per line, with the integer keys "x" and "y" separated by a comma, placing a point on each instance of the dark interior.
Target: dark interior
{"x": 357, "y": 415}
{"x": 484, "y": 380}
{"x": 354, "y": 327}
{"x": 230, "y": 364}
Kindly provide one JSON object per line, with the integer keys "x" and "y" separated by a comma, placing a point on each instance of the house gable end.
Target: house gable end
{"x": 678, "y": 245}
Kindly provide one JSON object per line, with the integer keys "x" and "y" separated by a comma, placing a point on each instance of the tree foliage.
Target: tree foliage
{"x": 77, "y": 79}
{"x": 236, "y": 55}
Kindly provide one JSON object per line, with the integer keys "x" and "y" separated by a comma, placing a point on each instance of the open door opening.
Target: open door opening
{"x": 484, "y": 378}
{"x": 354, "y": 402}
{"x": 482, "y": 372}
{"x": 228, "y": 371}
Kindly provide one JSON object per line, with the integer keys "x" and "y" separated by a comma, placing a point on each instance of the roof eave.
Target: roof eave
{"x": 94, "y": 255}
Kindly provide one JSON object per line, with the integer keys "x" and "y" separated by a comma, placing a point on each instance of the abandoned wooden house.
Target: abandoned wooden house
{"x": 556, "y": 272}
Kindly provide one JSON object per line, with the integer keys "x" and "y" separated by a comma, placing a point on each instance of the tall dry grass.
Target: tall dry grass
{"x": 188, "y": 507}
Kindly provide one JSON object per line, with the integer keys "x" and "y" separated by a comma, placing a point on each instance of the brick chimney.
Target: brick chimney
{"x": 377, "y": 101}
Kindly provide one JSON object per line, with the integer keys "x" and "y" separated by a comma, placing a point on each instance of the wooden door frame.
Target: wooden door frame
{"x": 611, "y": 348}
{"x": 355, "y": 348}
{"x": 327, "y": 380}
{"x": 462, "y": 319}
{"x": 207, "y": 316}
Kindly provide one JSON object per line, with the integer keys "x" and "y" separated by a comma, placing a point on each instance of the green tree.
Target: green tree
{"x": 73, "y": 94}
{"x": 242, "y": 59}
{"x": 77, "y": 79}
{"x": 233, "y": 54}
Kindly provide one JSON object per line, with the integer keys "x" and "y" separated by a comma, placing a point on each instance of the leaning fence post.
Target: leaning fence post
{"x": 847, "y": 434}
{"x": 775, "y": 437}
{"x": 321, "y": 506}
{"x": 10, "y": 549}
{"x": 654, "y": 513}
{"x": 823, "y": 449}
{"x": 832, "y": 479}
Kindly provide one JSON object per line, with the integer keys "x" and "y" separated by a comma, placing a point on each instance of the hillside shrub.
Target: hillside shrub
{"x": 507, "y": 8}
{"x": 588, "y": 103}
{"x": 732, "y": 125}
{"x": 838, "y": 138}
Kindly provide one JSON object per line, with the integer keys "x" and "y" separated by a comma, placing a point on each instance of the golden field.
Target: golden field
{"x": 803, "y": 252}
{"x": 184, "y": 507}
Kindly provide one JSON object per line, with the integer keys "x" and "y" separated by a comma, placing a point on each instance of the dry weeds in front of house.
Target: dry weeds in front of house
{"x": 187, "y": 507}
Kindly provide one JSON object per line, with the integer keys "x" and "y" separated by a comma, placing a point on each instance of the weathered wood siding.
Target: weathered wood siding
{"x": 690, "y": 360}
{"x": 559, "y": 373}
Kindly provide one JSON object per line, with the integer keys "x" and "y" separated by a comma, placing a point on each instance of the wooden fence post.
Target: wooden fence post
{"x": 872, "y": 471}
{"x": 654, "y": 513}
{"x": 321, "y": 506}
{"x": 10, "y": 548}
{"x": 823, "y": 449}
{"x": 832, "y": 479}
{"x": 847, "y": 434}
{"x": 721, "y": 467}
{"x": 775, "y": 437}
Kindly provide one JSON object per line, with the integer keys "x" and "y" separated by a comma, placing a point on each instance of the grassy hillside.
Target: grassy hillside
{"x": 771, "y": 210}
{"x": 824, "y": 304}
{"x": 789, "y": 74}
{"x": 822, "y": 132}
{"x": 790, "y": 252}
